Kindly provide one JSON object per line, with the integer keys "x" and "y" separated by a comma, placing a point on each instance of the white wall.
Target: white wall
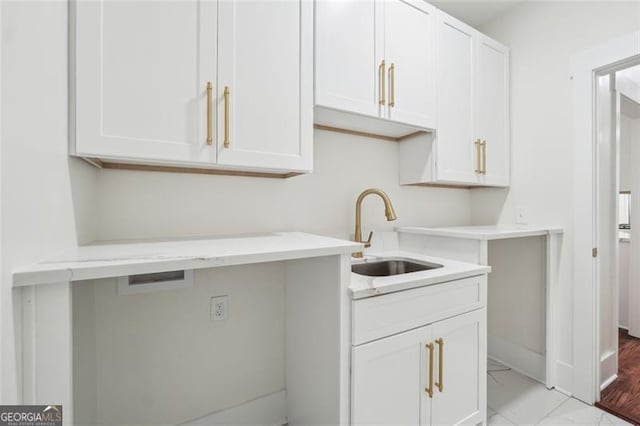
{"x": 47, "y": 200}
{"x": 542, "y": 37}
{"x": 159, "y": 359}
{"x": 147, "y": 205}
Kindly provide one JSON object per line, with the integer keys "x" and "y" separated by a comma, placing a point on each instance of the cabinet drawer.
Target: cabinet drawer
{"x": 381, "y": 316}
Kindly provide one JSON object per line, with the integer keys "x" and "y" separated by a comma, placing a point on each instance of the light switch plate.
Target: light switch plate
{"x": 522, "y": 216}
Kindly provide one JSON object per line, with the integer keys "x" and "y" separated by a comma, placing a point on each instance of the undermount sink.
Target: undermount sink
{"x": 391, "y": 266}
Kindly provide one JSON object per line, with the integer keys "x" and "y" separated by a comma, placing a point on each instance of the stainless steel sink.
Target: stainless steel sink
{"x": 391, "y": 266}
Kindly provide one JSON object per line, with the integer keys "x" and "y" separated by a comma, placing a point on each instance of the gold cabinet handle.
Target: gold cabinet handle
{"x": 392, "y": 85}
{"x": 209, "y": 114}
{"x": 226, "y": 116}
{"x": 381, "y": 99}
{"x": 484, "y": 157}
{"x": 478, "y": 145}
{"x": 440, "y": 382}
{"x": 429, "y": 389}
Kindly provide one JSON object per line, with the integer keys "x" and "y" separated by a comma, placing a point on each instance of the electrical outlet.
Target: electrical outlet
{"x": 521, "y": 216}
{"x": 218, "y": 310}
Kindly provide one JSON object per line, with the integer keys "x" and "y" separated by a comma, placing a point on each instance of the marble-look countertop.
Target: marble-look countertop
{"x": 483, "y": 232}
{"x": 121, "y": 258}
{"x": 363, "y": 286}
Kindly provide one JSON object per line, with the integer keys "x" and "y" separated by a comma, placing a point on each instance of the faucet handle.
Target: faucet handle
{"x": 368, "y": 242}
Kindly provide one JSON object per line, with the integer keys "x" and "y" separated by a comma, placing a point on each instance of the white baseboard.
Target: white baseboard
{"x": 518, "y": 358}
{"x": 607, "y": 382}
{"x": 267, "y": 410}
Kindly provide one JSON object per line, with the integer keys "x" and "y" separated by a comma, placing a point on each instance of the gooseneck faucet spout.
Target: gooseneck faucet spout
{"x": 388, "y": 212}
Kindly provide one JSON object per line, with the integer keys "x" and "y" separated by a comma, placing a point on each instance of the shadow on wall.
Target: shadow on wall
{"x": 488, "y": 205}
{"x": 83, "y": 178}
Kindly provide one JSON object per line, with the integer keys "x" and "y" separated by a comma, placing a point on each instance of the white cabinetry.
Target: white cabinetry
{"x": 471, "y": 144}
{"x": 492, "y": 110}
{"x": 375, "y": 60}
{"x": 141, "y": 72}
{"x": 432, "y": 374}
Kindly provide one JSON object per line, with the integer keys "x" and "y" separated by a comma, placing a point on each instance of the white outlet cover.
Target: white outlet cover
{"x": 218, "y": 308}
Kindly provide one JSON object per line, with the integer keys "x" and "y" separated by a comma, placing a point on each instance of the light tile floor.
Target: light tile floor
{"x": 514, "y": 399}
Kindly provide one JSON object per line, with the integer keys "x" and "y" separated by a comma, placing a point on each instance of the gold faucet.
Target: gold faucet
{"x": 388, "y": 211}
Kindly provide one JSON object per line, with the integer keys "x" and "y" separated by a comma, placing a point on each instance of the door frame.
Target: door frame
{"x": 585, "y": 67}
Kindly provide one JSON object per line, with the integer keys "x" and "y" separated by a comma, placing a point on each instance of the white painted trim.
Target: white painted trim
{"x": 608, "y": 368}
{"x": 564, "y": 378}
{"x": 553, "y": 249}
{"x": 517, "y": 358}
{"x": 607, "y": 382}
{"x": 2, "y": 288}
{"x": 584, "y": 67}
{"x": 269, "y": 410}
{"x": 47, "y": 353}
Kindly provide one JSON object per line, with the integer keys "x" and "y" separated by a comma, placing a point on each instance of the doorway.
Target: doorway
{"x": 586, "y": 68}
{"x": 618, "y": 180}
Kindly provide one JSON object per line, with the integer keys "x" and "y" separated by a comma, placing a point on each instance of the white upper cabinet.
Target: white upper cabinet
{"x": 375, "y": 65}
{"x": 456, "y": 161}
{"x": 470, "y": 146}
{"x": 265, "y": 59}
{"x": 409, "y": 52}
{"x": 346, "y": 59}
{"x": 141, "y": 69}
{"x": 142, "y": 72}
{"x": 493, "y": 111}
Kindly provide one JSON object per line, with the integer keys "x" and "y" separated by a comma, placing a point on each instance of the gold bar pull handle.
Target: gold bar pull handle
{"x": 429, "y": 389}
{"x": 478, "y": 145}
{"x": 392, "y": 85}
{"x": 226, "y": 116}
{"x": 440, "y": 382}
{"x": 484, "y": 157}
{"x": 381, "y": 99}
{"x": 209, "y": 114}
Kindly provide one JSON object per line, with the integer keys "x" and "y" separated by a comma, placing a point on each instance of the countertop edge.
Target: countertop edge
{"x": 41, "y": 274}
{"x": 364, "y": 293}
{"x": 481, "y": 234}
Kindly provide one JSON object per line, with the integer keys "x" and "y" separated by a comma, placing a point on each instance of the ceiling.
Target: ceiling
{"x": 475, "y": 13}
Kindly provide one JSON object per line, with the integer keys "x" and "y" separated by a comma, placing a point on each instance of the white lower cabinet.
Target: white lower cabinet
{"x": 388, "y": 379}
{"x": 431, "y": 375}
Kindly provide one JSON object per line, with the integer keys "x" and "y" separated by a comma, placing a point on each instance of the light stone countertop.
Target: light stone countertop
{"x": 483, "y": 232}
{"x": 121, "y": 258}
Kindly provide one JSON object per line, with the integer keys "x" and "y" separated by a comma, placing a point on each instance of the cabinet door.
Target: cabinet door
{"x": 455, "y": 135}
{"x": 347, "y": 33}
{"x": 493, "y": 109}
{"x": 463, "y": 365}
{"x": 265, "y": 59}
{"x": 410, "y": 46}
{"x": 141, "y": 70}
{"x": 389, "y": 378}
